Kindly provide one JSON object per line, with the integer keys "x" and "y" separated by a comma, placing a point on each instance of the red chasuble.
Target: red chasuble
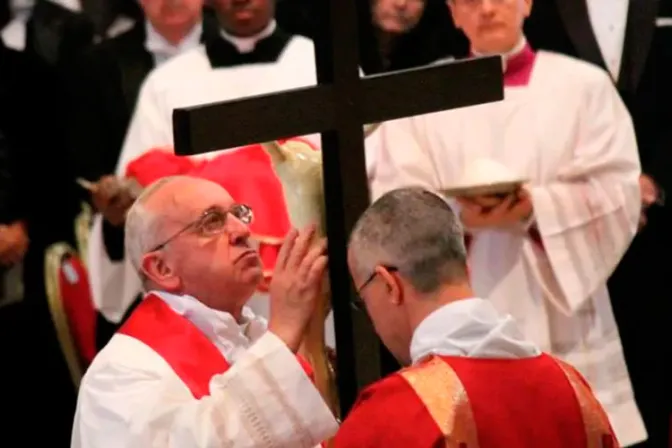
{"x": 180, "y": 343}
{"x": 459, "y": 402}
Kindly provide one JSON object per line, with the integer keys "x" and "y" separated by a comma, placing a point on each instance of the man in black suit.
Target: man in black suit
{"x": 56, "y": 33}
{"x": 633, "y": 42}
{"x": 36, "y": 209}
{"x": 104, "y": 85}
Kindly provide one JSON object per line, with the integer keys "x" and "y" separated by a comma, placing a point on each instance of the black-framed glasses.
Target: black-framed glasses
{"x": 212, "y": 222}
{"x": 358, "y": 303}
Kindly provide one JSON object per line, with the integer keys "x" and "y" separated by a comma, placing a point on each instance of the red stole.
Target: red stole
{"x": 191, "y": 355}
{"x": 180, "y": 343}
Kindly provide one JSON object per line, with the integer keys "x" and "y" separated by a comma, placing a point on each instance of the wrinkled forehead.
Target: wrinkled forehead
{"x": 186, "y": 199}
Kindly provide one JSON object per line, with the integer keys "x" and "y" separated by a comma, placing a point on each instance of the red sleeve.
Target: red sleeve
{"x": 306, "y": 367}
{"x": 388, "y": 414}
{"x": 158, "y": 163}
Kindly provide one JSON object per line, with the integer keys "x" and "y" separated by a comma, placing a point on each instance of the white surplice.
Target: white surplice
{"x": 568, "y": 132}
{"x": 131, "y": 398}
{"x": 185, "y": 80}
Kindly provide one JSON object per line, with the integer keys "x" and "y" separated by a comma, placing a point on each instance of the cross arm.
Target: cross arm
{"x": 309, "y": 110}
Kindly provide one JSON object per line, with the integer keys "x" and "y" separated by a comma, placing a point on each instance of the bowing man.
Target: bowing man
{"x": 193, "y": 366}
{"x": 408, "y": 260}
{"x": 250, "y": 55}
{"x": 544, "y": 252}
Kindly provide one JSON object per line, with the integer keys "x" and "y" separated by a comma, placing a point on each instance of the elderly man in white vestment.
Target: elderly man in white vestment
{"x": 192, "y": 366}
{"x": 253, "y": 56}
{"x": 541, "y": 253}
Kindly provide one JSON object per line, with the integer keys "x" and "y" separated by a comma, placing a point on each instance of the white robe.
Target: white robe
{"x": 131, "y": 398}
{"x": 185, "y": 80}
{"x": 569, "y": 133}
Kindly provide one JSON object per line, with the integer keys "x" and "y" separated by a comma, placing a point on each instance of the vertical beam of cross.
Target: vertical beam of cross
{"x": 346, "y": 191}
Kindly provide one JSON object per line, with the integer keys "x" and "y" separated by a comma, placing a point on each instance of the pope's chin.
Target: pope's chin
{"x": 250, "y": 268}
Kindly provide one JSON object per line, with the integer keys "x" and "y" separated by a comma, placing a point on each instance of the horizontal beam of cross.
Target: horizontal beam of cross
{"x": 380, "y": 98}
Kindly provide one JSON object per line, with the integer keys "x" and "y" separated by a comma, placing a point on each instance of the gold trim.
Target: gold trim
{"x": 82, "y": 230}
{"x": 52, "y": 266}
{"x": 594, "y": 418}
{"x": 441, "y": 391}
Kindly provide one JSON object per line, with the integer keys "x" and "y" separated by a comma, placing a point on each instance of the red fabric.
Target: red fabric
{"x": 185, "y": 348}
{"x": 388, "y": 414}
{"x": 511, "y": 403}
{"x": 78, "y": 306}
{"x": 158, "y": 163}
{"x": 180, "y": 343}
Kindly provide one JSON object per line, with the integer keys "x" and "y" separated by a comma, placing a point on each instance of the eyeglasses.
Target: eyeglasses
{"x": 213, "y": 222}
{"x": 357, "y": 302}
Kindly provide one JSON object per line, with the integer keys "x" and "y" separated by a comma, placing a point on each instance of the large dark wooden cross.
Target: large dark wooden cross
{"x": 338, "y": 107}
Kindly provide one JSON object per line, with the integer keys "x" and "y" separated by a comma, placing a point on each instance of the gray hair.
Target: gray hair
{"x": 143, "y": 226}
{"x": 415, "y": 231}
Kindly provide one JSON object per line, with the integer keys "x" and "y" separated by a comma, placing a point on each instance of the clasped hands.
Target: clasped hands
{"x": 296, "y": 285}
{"x": 495, "y": 211}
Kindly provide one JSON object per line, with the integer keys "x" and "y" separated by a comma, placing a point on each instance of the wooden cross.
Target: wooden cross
{"x": 338, "y": 107}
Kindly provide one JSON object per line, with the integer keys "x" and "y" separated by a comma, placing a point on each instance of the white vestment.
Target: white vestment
{"x": 185, "y": 80}
{"x": 130, "y": 397}
{"x": 568, "y": 132}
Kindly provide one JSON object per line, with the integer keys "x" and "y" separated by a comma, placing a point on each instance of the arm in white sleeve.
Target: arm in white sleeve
{"x": 588, "y": 216}
{"x": 264, "y": 400}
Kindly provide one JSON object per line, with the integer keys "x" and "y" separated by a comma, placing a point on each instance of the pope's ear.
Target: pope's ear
{"x": 159, "y": 272}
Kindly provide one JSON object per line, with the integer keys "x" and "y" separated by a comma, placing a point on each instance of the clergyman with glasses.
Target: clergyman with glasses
{"x": 193, "y": 366}
{"x": 473, "y": 379}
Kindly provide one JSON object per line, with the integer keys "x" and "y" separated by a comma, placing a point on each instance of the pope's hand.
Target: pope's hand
{"x": 296, "y": 285}
{"x": 510, "y": 211}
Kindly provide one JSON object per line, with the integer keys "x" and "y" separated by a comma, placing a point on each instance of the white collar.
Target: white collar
{"x": 72, "y": 5}
{"x": 156, "y": 44}
{"x": 247, "y": 44}
{"x": 520, "y": 46}
{"x": 230, "y": 337}
{"x": 471, "y": 328}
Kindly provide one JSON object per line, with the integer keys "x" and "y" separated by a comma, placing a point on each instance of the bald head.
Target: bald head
{"x": 143, "y": 222}
{"x": 159, "y": 202}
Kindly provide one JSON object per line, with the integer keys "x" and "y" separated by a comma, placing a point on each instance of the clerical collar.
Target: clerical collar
{"x": 516, "y": 63}
{"x": 247, "y": 44}
{"x": 72, "y": 5}
{"x": 470, "y": 328}
{"x": 162, "y": 50}
{"x": 230, "y": 337}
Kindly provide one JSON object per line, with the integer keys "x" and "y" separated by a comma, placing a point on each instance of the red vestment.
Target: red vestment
{"x": 191, "y": 355}
{"x": 460, "y": 402}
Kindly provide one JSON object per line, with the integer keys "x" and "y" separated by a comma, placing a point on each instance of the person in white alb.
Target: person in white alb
{"x": 544, "y": 252}
{"x": 192, "y": 366}
{"x": 631, "y": 41}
